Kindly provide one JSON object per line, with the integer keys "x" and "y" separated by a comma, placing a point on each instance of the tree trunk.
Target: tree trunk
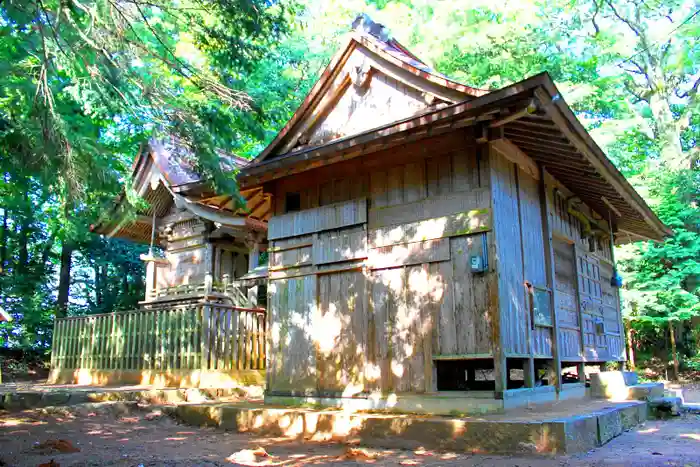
{"x": 23, "y": 260}
{"x": 47, "y": 252}
{"x": 64, "y": 279}
{"x": 672, "y": 333}
{"x": 667, "y": 133}
{"x": 630, "y": 348}
{"x": 3, "y": 242}
{"x": 98, "y": 284}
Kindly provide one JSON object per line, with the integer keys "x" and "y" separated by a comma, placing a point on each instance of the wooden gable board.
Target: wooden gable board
{"x": 369, "y": 83}
{"x": 379, "y": 100}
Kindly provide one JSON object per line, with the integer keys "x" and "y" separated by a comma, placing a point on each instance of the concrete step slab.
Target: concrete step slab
{"x": 538, "y": 432}
{"x": 661, "y": 407}
{"x": 22, "y": 400}
{"x": 645, "y": 391}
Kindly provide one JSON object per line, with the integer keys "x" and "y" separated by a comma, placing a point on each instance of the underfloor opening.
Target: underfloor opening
{"x": 465, "y": 375}
{"x": 570, "y": 373}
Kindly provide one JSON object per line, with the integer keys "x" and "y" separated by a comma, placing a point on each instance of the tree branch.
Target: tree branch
{"x": 690, "y": 92}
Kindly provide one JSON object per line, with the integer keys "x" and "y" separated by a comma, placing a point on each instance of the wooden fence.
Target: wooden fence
{"x": 199, "y": 337}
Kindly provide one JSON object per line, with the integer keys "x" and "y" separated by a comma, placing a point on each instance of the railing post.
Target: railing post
{"x": 225, "y": 279}
{"x": 253, "y": 296}
{"x": 54, "y": 346}
{"x": 208, "y": 284}
{"x": 205, "y": 342}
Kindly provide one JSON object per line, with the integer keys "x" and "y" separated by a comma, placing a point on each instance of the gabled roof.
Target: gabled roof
{"x": 550, "y": 134}
{"x": 164, "y": 175}
{"x": 176, "y": 162}
{"x": 371, "y": 37}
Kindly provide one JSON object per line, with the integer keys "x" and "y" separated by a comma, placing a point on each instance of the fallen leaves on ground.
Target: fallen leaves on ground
{"x": 50, "y": 463}
{"x": 359, "y": 454}
{"x": 249, "y": 456}
{"x": 409, "y": 462}
{"x": 155, "y": 415}
{"x": 57, "y": 445}
{"x": 423, "y": 452}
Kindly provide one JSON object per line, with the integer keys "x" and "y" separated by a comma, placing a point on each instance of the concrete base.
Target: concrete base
{"x": 662, "y": 407}
{"x": 158, "y": 378}
{"x": 645, "y": 391}
{"x": 21, "y": 400}
{"x": 441, "y": 403}
{"x": 543, "y": 431}
{"x": 446, "y": 403}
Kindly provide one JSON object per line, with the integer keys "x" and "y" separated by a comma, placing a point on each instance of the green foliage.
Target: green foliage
{"x": 83, "y": 84}
{"x": 662, "y": 278}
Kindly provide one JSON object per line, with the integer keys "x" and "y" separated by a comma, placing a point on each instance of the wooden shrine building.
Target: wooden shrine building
{"x": 428, "y": 237}
{"x": 202, "y": 321}
{"x": 200, "y": 232}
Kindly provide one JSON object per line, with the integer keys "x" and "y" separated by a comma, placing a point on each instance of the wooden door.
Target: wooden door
{"x": 591, "y": 303}
{"x": 567, "y": 301}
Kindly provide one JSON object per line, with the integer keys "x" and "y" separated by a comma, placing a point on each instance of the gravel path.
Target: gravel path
{"x": 108, "y": 436}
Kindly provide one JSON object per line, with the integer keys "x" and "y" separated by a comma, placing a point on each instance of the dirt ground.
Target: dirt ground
{"x": 143, "y": 437}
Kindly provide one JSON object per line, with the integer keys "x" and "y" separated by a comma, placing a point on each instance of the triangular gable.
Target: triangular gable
{"x": 370, "y": 82}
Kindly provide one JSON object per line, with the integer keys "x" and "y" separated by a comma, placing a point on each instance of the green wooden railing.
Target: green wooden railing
{"x": 199, "y": 336}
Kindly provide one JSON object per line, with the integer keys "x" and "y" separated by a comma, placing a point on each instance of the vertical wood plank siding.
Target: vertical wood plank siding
{"x": 514, "y": 315}
{"x": 534, "y": 266}
{"x": 380, "y": 295}
{"x": 292, "y": 353}
{"x": 177, "y": 338}
{"x": 583, "y": 285}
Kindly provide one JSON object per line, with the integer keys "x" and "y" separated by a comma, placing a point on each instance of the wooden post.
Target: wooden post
{"x": 499, "y": 358}
{"x": 630, "y": 347}
{"x": 581, "y": 371}
{"x": 579, "y": 305}
{"x": 672, "y": 333}
{"x": 253, "y": 297}
{"x": 226, "y": 281}
{"x": 549, "y": 266}
{"x": 618, "y": 305}
{"x": 254, "y": 256}
{"x": 208, "y": 284}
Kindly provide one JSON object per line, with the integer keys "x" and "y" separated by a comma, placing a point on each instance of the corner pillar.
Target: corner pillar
{"x": 152, "y": 263}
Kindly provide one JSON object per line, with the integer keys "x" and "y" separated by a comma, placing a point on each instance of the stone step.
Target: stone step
{"x": 661, "y": 407}
{"x": 631, "y": 378}
{"x": 623, "y": 385}
{"x": 538, "y": 432}
{"x": 645, "y": 391}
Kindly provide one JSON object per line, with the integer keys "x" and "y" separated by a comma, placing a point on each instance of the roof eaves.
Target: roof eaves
{"x": 596, "y": 156}
{"x": 328, "y": 72}
{"x": 424, "y": 118}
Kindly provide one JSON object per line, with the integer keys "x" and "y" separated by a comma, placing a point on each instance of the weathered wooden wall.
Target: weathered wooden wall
{"x": 520, "y": 248}
{"x": 583, "y": 296}
{"x": 583, "y": 293}
{"x": 371, "y": 279}
{"x": 187, "y": 250}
